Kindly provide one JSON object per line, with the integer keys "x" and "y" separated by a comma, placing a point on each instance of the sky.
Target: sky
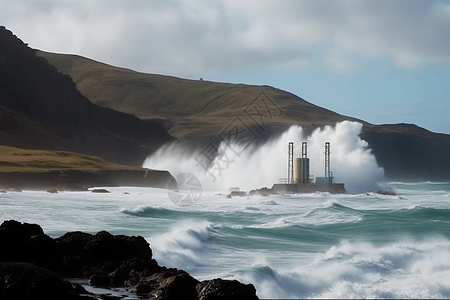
{"x": 382, "y": 61}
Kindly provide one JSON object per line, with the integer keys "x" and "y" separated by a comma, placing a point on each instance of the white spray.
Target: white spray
{"x": 352, "y": 162}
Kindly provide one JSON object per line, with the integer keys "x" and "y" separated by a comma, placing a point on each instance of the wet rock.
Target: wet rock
{"x": 225, "y": 289}
{"x": 386, "y": 193}
{"x": 105, "y": 247}
{"x": 107, "y": 260}
{"x": 100, "y": 280}
{"x": 79, "y": 289}
{"x": 143, "y": 288}
{"x": 170, "y": 284}
{"x": 26, "y": 281}
{"x": 130, "y": 272}
{"x": 73, "y": 243}
{"x": 101, "y": 191}
{"x": 19, "y": 230}
{"x": 237, "y": 194}
{"x": 109, "y": 297}
{"x": 265, "y": 192}
{"x": 26, "y": 243}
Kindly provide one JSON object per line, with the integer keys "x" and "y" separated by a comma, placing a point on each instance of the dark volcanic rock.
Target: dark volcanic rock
{"x": 386, "y": 193}
{"x": 263, "y": 192}
{"x": 100, "y": 191}
{"x": 101, "y": 279}
{"x": 27, "y": 281}
{"x": 72, "y": 243}
{"x": 107, "y": 260}
{"x": 19, "y": 230}
{"x": 237, "y": 194}
{"x": 107, "y": 247}
{"x": 86, "y": 254}
{"x": 225, "y": 289}
{"x": 169, "y": 284}
{"x": 27, "y": 243}
{"x": 131, "y": 271}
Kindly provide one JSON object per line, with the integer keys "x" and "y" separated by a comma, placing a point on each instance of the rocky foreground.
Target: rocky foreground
{"x": 33, "y": 265}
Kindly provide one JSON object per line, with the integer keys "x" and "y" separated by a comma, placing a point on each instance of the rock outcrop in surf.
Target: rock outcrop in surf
{"x": 34, "y": 264}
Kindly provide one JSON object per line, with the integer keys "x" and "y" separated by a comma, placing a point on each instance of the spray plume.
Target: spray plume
{"x": 352, "y": 162}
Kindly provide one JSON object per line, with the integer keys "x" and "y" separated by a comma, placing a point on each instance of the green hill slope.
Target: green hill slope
{"x": 190, "y": 108}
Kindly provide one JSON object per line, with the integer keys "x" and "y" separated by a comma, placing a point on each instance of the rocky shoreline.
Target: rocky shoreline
{"x": 33, "y": 265}
{"x": 78, "y": 180}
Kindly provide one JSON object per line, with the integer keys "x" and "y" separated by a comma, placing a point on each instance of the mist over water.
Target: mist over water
{"x": 352, "y": 162}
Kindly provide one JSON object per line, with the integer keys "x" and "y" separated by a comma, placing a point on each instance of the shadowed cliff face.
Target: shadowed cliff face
{"x": 35, "y": 99}
{"x": 408, "y": 152}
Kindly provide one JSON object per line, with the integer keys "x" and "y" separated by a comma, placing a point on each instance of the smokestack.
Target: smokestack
{"x": 290, "y": 163}
{"x": 327, "y": 160}
{"x": 304, "y": 150}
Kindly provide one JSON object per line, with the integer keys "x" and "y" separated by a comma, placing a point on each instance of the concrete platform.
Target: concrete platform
{"x": 334, "y": 188}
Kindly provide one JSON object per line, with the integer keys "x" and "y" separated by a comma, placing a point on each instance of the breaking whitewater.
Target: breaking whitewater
{"x": 358, "y": 245}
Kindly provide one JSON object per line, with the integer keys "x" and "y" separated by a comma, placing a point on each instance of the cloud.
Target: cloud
{"x": 191, "y": 38}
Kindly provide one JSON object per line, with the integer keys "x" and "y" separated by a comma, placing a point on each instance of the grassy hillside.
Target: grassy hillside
{"x": 22, "y": 160}
{"x": 189, "y": 108}
{"x": 62, "y": 170}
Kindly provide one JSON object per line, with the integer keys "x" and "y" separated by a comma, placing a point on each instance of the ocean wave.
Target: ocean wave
{"x": 332, "y": 213}
{"x": 335, "y": 206}
{"x": 419, "y": 183}
{"x": 422, "y": 187}
{"x": 269, "y": 202}
{"x": 360, "y": 270}
{"x": 184, "y": 246}
{"x": 158, "y": 212}
{"x": 278, "y": 223}
{"x": 252, "y": 208}
{"x": 423, "y": 213}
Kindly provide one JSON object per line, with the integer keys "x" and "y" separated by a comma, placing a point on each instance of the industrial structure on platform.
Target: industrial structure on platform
{"x": 300, "y": 180}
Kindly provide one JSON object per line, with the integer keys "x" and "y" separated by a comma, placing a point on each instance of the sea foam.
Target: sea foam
{"x": 361, "y": 270}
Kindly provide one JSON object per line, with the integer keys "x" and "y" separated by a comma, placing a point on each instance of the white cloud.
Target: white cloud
{"x": 191, "y": 38}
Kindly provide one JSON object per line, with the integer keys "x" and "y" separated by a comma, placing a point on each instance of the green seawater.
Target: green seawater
{"x": 289, "y": 246}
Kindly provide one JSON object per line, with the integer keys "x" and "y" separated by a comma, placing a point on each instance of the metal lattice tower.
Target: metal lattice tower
{"x": 327, "y": 160}
{"x": 291, "y": 163}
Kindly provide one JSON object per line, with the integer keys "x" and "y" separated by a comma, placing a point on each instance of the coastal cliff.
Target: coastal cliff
{"x": 41, "y": 109}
